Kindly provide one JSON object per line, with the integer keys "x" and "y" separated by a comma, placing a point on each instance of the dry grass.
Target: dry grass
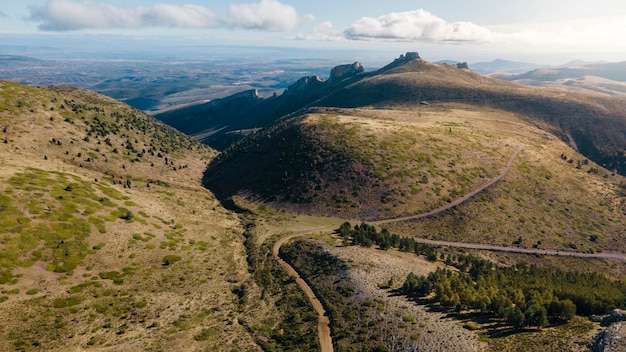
{"x": 553, "y": 197}
{"x": 381, "y": 163}
{"x": 119, "y": 295}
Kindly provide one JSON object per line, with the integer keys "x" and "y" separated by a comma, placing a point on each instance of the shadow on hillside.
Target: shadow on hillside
{"x": 492, "y": 327}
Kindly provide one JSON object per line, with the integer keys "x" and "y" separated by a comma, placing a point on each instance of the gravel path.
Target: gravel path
{"x": 492, "y": 247}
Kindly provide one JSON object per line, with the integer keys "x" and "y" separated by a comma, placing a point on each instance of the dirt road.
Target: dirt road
{"x": 511, "y": 249}
{"x": 323, "y": 325}
{"x": 458, "y": 201}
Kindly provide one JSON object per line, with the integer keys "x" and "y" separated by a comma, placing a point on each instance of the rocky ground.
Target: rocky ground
{"x": 431, "y": 331}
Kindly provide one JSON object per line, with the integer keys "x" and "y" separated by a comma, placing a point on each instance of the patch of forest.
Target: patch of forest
{"x": 519, "y": 295}
{"x": 289, "y": 322}
{"x": 358, "y": 323}
{"x": 367, "y": 236}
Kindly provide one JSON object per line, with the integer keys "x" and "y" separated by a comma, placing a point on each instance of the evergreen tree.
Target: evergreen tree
{"x": 514, "y": 317}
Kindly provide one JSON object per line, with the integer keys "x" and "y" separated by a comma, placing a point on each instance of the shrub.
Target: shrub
{"x": 205, "y": 334}
{"x": 170, "y": 259}
{"x": 66, "y": 302}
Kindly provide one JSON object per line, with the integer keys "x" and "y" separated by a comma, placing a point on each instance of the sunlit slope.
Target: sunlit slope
{"x": 107, "y": 239}
{"x": 387, "y": 163}
{"x": 589, "y": 123}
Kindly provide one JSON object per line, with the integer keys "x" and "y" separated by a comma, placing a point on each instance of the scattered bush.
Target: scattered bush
{"x": 170, "y": 259}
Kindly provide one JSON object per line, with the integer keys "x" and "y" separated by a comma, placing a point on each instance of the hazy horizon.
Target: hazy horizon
{"x": 100, "y": 48}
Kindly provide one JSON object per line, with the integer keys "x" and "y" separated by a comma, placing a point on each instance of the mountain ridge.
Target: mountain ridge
{"x": 407, "y": 82}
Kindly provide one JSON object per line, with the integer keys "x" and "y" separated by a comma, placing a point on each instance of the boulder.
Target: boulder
{"x": 596, "y": 318}
{"x": 410, "y": 55}
{"x": 462, "y": 65}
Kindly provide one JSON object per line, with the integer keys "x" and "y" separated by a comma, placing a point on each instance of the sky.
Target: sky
{"x": 539, "y": 31}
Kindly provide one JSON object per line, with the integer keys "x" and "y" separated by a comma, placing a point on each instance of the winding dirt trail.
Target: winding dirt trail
{"x": 323, "y": 325}
{"x": 511, "y": 249}
{"x": 458, "y": 201}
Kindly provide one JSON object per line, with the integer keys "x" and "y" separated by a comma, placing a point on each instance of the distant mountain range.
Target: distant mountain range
{"x": 602, "y": 78}
{"x": 576, "y": 118}
{"x": 499, "y": 65}
{"x": 611, "y": 71}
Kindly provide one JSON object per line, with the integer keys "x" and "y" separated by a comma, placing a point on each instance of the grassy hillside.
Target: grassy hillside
{"x": 385, "y": 163}
{"x": 589, "y": 123}
{"x": 107, "y": 239}
{"x": 353, "y": 164}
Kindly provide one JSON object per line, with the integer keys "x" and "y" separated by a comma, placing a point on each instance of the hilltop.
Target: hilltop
{"x": 592, "y": 78}
{"x": 386, "y": 145}
{"x": 376, "y": 164}
{"x": 610, "y": 71}
{"x": 107, "y": 238}
{"x": 588, "y": 123}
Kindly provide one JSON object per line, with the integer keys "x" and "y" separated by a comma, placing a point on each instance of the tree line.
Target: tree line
{"x": 521, "y": 295}
{"x": 367, "y": 236}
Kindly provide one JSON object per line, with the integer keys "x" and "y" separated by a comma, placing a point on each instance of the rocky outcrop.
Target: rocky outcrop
{"x": 345, "y": 71}
{"x": 304, "y": 84}
{"x": 462, "y": 65}
{"x": 617, "y": 315}
{"x": 410, "y": 55}
{"x": 248, "y": 95}
{"x": 611, "y": 340}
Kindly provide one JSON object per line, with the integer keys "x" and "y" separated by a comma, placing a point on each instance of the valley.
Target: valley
{"x": 119, "y": 232}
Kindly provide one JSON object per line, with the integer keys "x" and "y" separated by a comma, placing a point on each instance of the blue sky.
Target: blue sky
{"x": 479, "y": 29}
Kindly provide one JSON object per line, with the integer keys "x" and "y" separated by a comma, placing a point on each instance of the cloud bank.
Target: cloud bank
{"x": 418, "y": 25}
{"x": 70, "y": 15}
{"x": 273, "y": 15}
{"x": 323, "y": 32}
{"x": 590, "y": 33}
{"x": 423, "y": 26}
{"x": 268, "y": 15}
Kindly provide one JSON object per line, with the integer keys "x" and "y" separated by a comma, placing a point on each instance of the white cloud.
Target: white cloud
{"x": 190, "y": 16}
{"x": 323, "y": 32}
{"x": 308, "y": 18}
{"x": 418, "y": 25}
{"x": 422, "y": 26}
{"x": 69, "y": 15}
{"x": 271, "y": 15}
